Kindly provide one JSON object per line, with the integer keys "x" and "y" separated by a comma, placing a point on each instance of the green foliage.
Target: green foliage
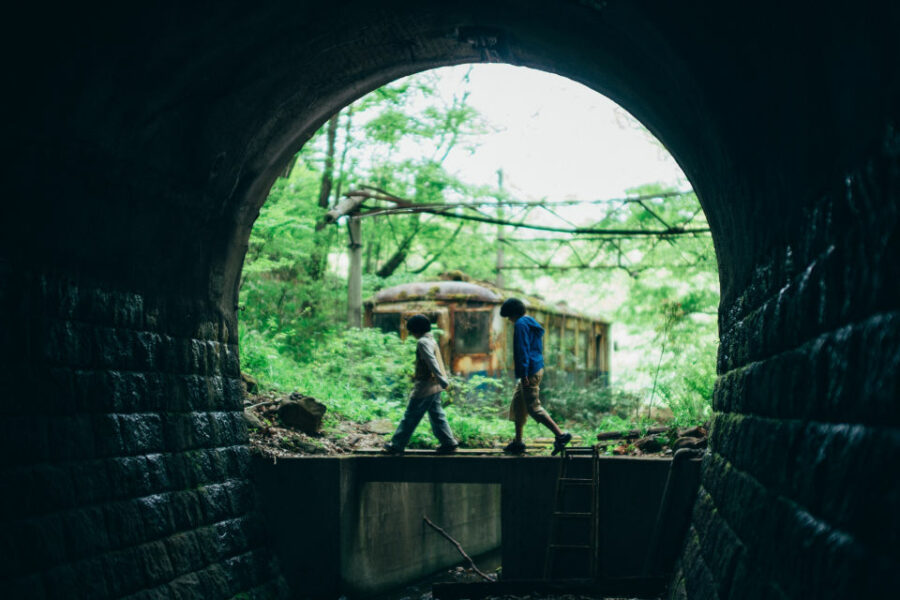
{"x": 397, "y": 139}
{"x": 591, "y": 404}
{"x": 280, "y": 298}
{"x": 378, "y": 364}
{"x": 293, "y": 295}
{"x": 670, "y": 303}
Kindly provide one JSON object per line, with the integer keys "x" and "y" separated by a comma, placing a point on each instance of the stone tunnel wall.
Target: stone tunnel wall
{"x": 124, "y": 449}
{"x": 800, "y": 493}
{"x": 143, "y": 141}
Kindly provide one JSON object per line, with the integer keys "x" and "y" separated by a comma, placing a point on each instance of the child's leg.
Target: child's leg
{"x": 439, "y": 425}
{"x": 517, "y": 412}
{"x": 532, "y": 392}
{"x": 414, "y": 412}
{"x": 543, "y": 417}
{"x": 520, "y": 431}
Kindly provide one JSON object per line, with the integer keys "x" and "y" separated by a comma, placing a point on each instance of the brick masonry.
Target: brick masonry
{"x": 800, "y": 493}
{"x": 142, "y": 143}
{"x": 124, "y": 454}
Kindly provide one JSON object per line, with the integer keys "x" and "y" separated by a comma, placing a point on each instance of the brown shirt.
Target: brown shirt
{"x": 430, "y": 377}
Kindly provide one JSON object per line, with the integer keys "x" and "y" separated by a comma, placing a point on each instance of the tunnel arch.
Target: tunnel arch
{"x": 485, "y": 33}
{"x": 147, "y": 139}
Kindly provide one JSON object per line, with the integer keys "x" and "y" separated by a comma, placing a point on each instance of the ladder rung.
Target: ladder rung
{"x": 576, "y": 481}
{"x": 574, "y": 455}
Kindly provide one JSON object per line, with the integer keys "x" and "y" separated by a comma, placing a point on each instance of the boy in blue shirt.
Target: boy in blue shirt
{"x": 528, "y": 357}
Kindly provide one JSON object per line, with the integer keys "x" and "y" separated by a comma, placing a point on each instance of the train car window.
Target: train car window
{"x": 387, "y": 322}
{"x": 435, "y": 319}
{"x": 471, "y": 332}
{"x": 584, "y": 345}
{"x": 549, "y": 344}
{"x": 598, "y": 352}
{"x": 508, "y": 344}
{"x": 552, "y": 345}
{"x": 568, "y": 349}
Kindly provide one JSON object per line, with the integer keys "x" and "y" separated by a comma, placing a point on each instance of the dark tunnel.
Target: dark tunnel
{"x": 142, "y": 140}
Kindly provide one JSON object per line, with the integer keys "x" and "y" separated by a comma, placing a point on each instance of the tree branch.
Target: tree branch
{"x": 675, "y": 231}
{"x": 376, "y": 193}
{"x": 459, "y": 548}
{"x": 439, "y": 252}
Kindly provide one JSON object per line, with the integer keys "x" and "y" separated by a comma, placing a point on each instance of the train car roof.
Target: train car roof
{"x": 464, "y": 291}
{"x": 437, "y": 290}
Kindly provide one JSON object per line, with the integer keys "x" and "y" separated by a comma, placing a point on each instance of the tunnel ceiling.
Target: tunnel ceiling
{"x": 164, "y": 147}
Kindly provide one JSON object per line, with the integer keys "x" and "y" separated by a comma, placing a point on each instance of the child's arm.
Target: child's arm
{"x": 426, "y": 354}
{"x": 521, "y": 343}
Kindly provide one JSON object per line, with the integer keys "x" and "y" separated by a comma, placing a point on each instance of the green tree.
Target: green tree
{"x": 398, "y": 138}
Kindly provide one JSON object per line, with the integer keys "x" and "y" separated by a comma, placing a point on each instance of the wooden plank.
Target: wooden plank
{"x": 538, "y": 444}
{"x": 630, "y": 587}
{"x": 627, "y": 435}
{"x": 426, "y": 452}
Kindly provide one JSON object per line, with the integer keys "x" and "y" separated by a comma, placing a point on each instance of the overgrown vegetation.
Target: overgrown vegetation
{"x": 293, "y": 292}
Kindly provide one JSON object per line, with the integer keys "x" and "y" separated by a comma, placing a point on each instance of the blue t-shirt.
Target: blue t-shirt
{"x": 528, "y": 346}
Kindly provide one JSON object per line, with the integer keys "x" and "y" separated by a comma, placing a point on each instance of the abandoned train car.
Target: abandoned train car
{"x": 475, "y": 339}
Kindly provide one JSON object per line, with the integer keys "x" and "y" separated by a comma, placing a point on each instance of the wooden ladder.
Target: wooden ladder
{"x": 572, "y": 541}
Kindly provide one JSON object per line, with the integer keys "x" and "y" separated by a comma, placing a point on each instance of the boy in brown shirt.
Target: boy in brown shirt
{"x": 429, "y": 380}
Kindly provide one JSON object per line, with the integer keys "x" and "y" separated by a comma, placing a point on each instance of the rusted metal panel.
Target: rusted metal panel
{"x": 474, "y": 363}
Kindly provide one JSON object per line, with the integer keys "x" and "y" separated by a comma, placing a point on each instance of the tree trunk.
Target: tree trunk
{"x": 328, "y": 170}
{"x": 319, "y": 257}
{"x": 340, "y": 175}
{"x": 399, "y": 255}
{"x": 392, "y": 263}
{"x": 354, "y": 279}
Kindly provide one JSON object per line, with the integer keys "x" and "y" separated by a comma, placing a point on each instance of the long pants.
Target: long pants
{"x": 415, "y": 410}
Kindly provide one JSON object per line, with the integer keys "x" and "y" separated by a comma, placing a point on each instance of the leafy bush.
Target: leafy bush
{"x": 379, "y": 365}
{"x": 688, "y": 395}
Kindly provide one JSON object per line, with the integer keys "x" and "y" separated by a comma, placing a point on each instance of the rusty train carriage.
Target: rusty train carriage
{"x": 477, "y": 340}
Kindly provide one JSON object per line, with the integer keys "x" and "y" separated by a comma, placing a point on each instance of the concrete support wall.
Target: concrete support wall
{"x": 359, "y": 530}
{"x": 389, "y": 544}
{"x": 346, "y": 536}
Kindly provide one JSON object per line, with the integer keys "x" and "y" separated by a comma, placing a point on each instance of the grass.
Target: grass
{"x": 363, "y": 375}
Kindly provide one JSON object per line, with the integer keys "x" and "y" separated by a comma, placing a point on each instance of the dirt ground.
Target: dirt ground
{"x": 270, "y": 437}
{"x": 275, "y": 439}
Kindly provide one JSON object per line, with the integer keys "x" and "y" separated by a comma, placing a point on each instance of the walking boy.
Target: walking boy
{"x": 528, "y": 356}
{"x": 425, "y": 396}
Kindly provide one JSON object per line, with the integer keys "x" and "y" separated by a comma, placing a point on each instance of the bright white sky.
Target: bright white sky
{"x": 557, "y": 139}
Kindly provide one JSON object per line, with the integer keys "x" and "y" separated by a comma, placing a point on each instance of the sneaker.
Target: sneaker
{"x": 560, "y": 444}
{"x": 446, "y": 449}
{"x": 392, "y": 450}
{"x": 515, "y": 447}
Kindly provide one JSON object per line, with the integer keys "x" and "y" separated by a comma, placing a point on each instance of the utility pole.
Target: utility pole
{"x": 354, "y": 280}
{"x": 350, "y": 207}
{"x": 499, "y": 278}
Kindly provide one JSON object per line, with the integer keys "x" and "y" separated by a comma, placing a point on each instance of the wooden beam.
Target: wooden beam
{"x": 628, "y": 587}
